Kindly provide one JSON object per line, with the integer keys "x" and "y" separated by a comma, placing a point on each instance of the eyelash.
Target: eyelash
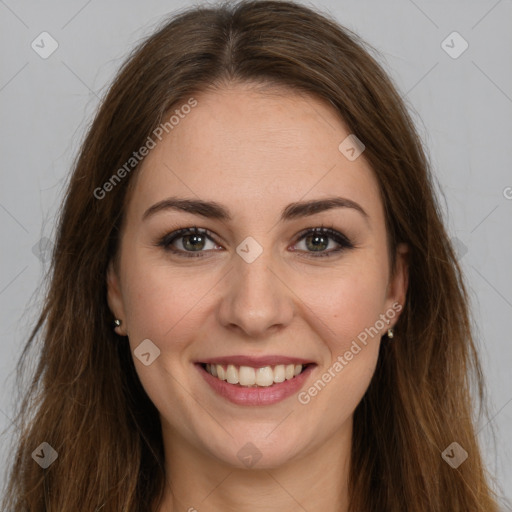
{"x": 166, "y": 241}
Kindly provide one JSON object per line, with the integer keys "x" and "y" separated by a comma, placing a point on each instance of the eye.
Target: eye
{"x": 193, "y": 242}
{"x": 187, "y": 241}
{"x": 317, "y": 241}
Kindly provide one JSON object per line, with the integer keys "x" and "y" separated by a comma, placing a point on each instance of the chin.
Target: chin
{"x": 250, "y": 451}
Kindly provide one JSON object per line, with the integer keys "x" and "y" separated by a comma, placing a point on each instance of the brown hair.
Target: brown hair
{"x": 85, "y": 398}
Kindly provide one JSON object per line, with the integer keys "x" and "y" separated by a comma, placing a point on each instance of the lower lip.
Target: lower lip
{"x": 256, "y": 396}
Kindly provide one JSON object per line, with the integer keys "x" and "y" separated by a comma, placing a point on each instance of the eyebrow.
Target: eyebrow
{"x": 214, "y": 210}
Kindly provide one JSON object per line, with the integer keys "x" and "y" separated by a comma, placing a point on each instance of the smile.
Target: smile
{"x": 266, "y": 382}
{"x": 254, "y": 377}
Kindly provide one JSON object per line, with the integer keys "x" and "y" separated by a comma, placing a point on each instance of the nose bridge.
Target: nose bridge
{"x": 256, "y": 299}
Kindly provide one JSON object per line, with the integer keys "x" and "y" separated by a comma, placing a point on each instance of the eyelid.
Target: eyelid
{"x": 325, "y": 230}
{"x": 166, "y": 240}
{"x": 341, "y": 239}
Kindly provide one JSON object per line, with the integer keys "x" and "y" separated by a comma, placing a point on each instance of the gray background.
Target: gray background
{"x": 463, "y": 108}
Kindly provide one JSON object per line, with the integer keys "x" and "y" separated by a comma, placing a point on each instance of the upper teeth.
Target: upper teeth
{"x": 248, "y": 376}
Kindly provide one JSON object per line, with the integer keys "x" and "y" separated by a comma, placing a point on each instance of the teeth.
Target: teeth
{"x": 248, "y": 376}
{"x": 232, "y": 374}
{"x": 279, "y": 373}
{"x": 221, "y": 373}
{"x": 264, "y": 376}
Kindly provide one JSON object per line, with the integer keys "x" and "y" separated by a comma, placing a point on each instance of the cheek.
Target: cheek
{"x": 165, "y": 303}
{"x": 348, "y": 302}
{"x": 350, "y": 309}
{"x": 162, "y": 306}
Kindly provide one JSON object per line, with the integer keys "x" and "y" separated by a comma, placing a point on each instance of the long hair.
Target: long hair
{"x": 85, "y": 399}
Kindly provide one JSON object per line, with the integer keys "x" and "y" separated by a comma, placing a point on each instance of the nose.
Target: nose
{"x": 257, "y": 299}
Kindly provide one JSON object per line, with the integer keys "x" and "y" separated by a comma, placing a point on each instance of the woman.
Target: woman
{"x": 254, "y": 304}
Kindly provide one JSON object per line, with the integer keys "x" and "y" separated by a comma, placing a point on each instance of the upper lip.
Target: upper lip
{"x": 255, "y": 361}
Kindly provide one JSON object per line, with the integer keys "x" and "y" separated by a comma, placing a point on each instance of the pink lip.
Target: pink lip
{"x": 255, "y": 361}
{"x": 256, "y": 396}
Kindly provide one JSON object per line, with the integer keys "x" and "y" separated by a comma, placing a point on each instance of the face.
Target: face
{"x": 265, "y": 288}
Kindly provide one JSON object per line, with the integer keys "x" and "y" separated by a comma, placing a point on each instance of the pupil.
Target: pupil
{"x": 316, "y": 239}
{"x": 196, "y": 238}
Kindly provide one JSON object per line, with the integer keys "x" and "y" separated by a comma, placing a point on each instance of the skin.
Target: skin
{"x": 265, "y": 149}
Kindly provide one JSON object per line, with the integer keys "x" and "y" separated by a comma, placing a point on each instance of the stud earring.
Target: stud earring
{"x": 390, "y": 333}
{"x": 117, "y": 322}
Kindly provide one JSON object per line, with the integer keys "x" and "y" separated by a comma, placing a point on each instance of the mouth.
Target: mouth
{"x": 255, "y": 377}
{"x": 257, "y": 382}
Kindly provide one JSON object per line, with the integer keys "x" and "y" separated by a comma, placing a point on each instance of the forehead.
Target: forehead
{"x": 254, "y": 150}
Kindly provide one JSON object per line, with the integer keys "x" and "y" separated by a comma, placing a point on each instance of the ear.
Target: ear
{"x": 399, "y": 280}
{"x": 115, "y": 298}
